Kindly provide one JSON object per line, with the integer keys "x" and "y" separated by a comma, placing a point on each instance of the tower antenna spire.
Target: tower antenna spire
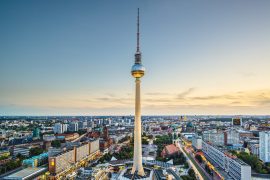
{"x": 138, "y": 31}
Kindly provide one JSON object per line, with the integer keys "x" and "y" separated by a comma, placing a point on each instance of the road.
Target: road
{"x": 11, "y": 172}
{"x": 190, "y": 162}
{"x": 79, "y": 138}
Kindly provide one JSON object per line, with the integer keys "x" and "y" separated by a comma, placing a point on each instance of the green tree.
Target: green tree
{"x": 199, "y": 158}
{"x": 186, "y": 165}
{"x": 145, "y": 141}
{"x": 56, "y": 143}
{"x": 192, "y": 173}
{"x": 187, "y": 178}
{"x": 35, "y": 151}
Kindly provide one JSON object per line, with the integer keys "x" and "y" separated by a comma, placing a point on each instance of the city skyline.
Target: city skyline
{"x": 74, "y": 58}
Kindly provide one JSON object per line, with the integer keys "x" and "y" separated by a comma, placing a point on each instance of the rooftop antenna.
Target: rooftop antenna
{"x": 138, "y": 31}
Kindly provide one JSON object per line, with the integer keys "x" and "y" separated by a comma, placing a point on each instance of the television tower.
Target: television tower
{"x": 137, "y": 72}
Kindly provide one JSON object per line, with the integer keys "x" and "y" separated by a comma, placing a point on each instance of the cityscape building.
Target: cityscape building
{"x": 197, "y": 142}
{"x": 58, "y": 128}
{"x": 73, "y": 126}
{"x": 264, "y": 148}
{"x": 236, "y": 169}
{"x": 231, "y": 136}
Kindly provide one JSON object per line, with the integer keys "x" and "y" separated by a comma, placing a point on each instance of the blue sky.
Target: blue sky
{"x": 74, "y": 57}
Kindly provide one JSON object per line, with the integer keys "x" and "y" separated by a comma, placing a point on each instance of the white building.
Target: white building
{"x": 213, "y": 136}
{"x": 255, "y": 149}
{"x": 58, "y": 128}
{"x": 21, "y": 150}
{"x": 2, "y": 133}
{"x": 54, "y": 151}
{"x": 48, "y": 137}
{"x": 73, "y": 127}
{"x": 265, "y": 146}
{"x": 65, "y": 128}
{"x": 197, "y": 142}
{"x": 232, "y": 136}
{"x": 236, "y": 169}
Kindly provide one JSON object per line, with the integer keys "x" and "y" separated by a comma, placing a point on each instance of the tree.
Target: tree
{"x": 192, "y": 173}
{"x": 145, "y": 141}
{"x": 179, "y": 159}
{"x": 233, "y": 152}
{"x": 186, "y": 165}
{"x": 254, "y": 162}
{"x": 187, "y": 178}
{"x": 20, "y": 156}
{"x": 35, "y": 151}
{"x": 56, "y": 143}
{"x": 199, "y": 158}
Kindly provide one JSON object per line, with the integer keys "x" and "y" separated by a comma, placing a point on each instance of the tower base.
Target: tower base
{"x": 127, "y": 174}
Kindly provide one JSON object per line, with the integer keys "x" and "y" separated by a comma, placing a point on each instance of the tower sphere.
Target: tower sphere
{"x": 137, "y": 70}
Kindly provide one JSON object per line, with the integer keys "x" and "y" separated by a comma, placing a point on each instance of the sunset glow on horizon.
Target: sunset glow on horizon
{"x": 74, "y": 58}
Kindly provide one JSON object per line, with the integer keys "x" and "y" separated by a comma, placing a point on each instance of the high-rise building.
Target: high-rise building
{"x": 264, "y": 146}
{"x": 65, "y": 127}
{"x": 36, "y": 133}
{"x": 137, "y": 72}
{"x": 214, "y": 137}
{"x": 232, "y": 137}
{"x": 82, "y": 124}
{"x": 73, "y": 127}
{"x": 237, "y": 121}
{"x": 58, "y": 128}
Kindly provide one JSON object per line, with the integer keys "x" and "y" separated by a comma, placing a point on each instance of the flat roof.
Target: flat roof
{"x": 27, "y": 173}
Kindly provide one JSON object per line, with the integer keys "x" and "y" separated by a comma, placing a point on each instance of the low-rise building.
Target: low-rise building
{"x": 67, "y": 137}
{"x": 21, "y": 150}
{"x": 169, "y": 151}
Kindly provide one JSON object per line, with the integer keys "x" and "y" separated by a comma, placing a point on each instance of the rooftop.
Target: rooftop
{"x": 27, "y": 173}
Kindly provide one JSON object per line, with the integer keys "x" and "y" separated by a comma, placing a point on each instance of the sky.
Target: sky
{"x": 74, "y": 57}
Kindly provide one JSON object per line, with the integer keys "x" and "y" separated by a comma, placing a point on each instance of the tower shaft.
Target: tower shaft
{"x": 137, "y": 159}
{"x": 137, "y": 72}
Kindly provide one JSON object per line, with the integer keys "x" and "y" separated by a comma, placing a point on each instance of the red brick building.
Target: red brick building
{"x": 169, "y": 151}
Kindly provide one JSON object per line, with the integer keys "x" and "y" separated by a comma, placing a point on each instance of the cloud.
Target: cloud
{"x": 159, "y": 103}
{"x": 156, "y": 93}
{"x": 223, "y": 96}
{"x": 185, "y": 93}
{"x": 248, "y": 74}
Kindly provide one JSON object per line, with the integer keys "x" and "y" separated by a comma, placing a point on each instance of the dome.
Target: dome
{"x": 137, "y": 70}
{"x": 189, "y": 124}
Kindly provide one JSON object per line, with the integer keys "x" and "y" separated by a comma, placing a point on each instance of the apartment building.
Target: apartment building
{"x": 236, "y": 169}
{"x": 264, "y": 146}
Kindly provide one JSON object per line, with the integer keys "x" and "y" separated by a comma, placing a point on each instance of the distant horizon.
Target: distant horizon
{"x": 75, "y": 57}
{"x": 229, "y": 115}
